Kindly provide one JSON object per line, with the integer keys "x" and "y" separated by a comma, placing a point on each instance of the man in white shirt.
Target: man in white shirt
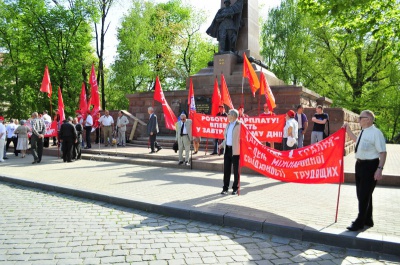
{"x": 2, "y": 138}
{"x": 184, "y": 138}
{"x": 122, "y": 121}
{"x": 88, "y": 123}
{"x": 370, "y": 152}
{"x": 11, "y": 137}
{"x": 107, "y": 124}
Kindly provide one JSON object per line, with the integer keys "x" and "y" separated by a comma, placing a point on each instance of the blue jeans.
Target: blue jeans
{"x": 300, "y": 140}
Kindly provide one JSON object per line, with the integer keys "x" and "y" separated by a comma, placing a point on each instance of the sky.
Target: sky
{"x": 121, "y": 8}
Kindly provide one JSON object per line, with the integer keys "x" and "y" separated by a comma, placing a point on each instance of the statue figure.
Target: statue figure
{"x": 226, "y": 24}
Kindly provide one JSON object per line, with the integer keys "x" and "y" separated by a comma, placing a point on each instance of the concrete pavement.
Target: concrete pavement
{"x": 303, "y": 212}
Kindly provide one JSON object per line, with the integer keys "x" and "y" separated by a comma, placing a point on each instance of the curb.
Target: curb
{"x": 332, "y": 237}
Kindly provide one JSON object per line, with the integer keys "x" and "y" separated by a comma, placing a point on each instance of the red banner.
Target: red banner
{"x": 265, "y": 129}
{"x": 51, "y": 129}
{"x": 321, "y": 162}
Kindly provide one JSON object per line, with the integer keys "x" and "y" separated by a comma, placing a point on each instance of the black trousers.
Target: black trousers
{"x": 67, "y": 146}
{"x": 14, "y": 140}
{"x": 36, "y": 147}
{"x": 153, "y": 142}
{"x": 77, "y": 150}
{"x": 229, "y": 161}
{"x": 88, "y": 130}
{"x": 365, "y": 185}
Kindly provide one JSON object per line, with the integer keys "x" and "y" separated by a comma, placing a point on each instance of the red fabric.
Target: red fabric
{"x": 249, "y": 73}
{"x": 225, "y": 96}
{"x": 266, "y": 129}
{"x": 318, "y": 163}
{"x": 191, "y": 101}
{"x": 95, "y": 96}
{"x": 60, "y": 105}
{"x": 216, "y": 99}
{"x": 169, "y": 116}
{"x": 83, "y": 107}
{"x": 46, "y": 84}
{"x": 265, "y": 89}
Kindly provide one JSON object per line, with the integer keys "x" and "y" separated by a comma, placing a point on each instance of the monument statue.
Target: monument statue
{"x": 226, "y": 24}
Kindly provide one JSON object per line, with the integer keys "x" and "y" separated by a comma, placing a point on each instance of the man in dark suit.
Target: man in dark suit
{"x": 152, "y": 130}
{"x": 68, "y": 137}
{"x": 76, "y": 153}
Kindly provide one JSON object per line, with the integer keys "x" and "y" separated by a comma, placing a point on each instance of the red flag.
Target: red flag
{"x": 191, "y": 101}
{"x": 248, "y": 72}
{"x": 216, "y": 99}
{"x": 265, "y": 89}
{"x": 95, "y": 97}
{"x": 60, "y": 105}
{"x": 83, "y": 106}
{"x": 170, "y": 118}
{"x": 225, "y": 96}
{"x": 46, "y": 84}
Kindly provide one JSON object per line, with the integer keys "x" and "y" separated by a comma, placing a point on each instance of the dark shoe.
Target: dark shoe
{"x": 369, "y": 223}
{"x": 224, "y": 192}
{"x": 70, "y": 161}
{"x": 54, "y": 145}
{"x": 180, "y": 163}
{"x": 213, "y": 153}
{"x": 5, "y": 157}
{"x": 106, "y": 145}
{"x": 234, "y": 192}
{"x": 152, "y": 152}
{"x": 34, "y": 162}
{"x": 354, "y": 227}
{"x": 159, "y": 148}
{"x": 40, "y": 160}
{"x": 195, "y": 152}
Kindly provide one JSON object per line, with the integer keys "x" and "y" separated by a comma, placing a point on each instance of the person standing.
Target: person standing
{"x": 370, "y": 152}
{"x": 77, "y": 151}
{"x": 302, "y": 121}
{"x": 290, "y": 132}
{"x": 122, "y": 121}
{"x": 241, "y": 112}
{"x": 88, "y": 129}
{"x": 268, "y": 113}
{"x": 57, "y": 119}
{"x": 221, "y": 113}
{"x": 152, "y": 130}
{"x": 2, "y": 138}
{"x": 184, "y": 137}
{"x": 68, "y": 138}
{"x": 320, "y": 118}
{"x": 107, "y": 123}
{"x": 38, "y": 130}
{"x": 47, "y": 122}
{"x": 11, "y": 136}
{"x": 22, "y": 132}
{"x": 231, "y": 145}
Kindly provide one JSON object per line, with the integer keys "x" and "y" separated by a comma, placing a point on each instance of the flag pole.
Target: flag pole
{"x": 242, "y": 90}
{"x": 338, "y": 197}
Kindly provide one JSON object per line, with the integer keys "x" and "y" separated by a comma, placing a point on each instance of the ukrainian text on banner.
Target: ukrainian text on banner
{"x": 265, "y": 129}
{"x": 51, "y": 129}
{"x": 318, "y": 163}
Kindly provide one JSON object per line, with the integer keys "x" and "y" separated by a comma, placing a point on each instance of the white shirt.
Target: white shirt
{"x": 229, "y": 133}
{"x": 106, "y": 121}
{"x": 2, "y": 133}
{"x": 184, "y": 128}
{"x": 10, "y": 128}
{"x": 46, "y": 118}
{"x": 299, "y": 121}
{"x": 295, "y": 128}
{"x": 372, "y": 143}
{"x": 89, "y": 120}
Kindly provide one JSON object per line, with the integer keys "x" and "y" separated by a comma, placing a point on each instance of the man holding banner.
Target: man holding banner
{"x": 231, "y": 145}
{"x": 370, "y": 153}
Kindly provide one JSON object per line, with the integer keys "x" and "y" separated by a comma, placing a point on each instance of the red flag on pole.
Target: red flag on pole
{"x": 265, "y": 89}
{"x": 46, "y": 84}
{"x": 225, "y": 96}
{"x": 249, "y": 73}
{"x": 83, "y": 106}
{"x": 170, "y": 118}
{"x": 216, "y": 99}
{"x": 95, "y": 96}
{"x": 60, "y": 105}
{"x": 191, "y": 101}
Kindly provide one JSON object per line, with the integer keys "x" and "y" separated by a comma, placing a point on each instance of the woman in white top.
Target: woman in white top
{"x": 290, "y": 132}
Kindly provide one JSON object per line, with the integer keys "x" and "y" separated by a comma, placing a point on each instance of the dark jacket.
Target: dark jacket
{"x": 68, "y": 131}
{"x": 152, "y": 126}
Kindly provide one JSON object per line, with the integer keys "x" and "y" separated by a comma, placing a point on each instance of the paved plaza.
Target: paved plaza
{"x": 42, "y": 227}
